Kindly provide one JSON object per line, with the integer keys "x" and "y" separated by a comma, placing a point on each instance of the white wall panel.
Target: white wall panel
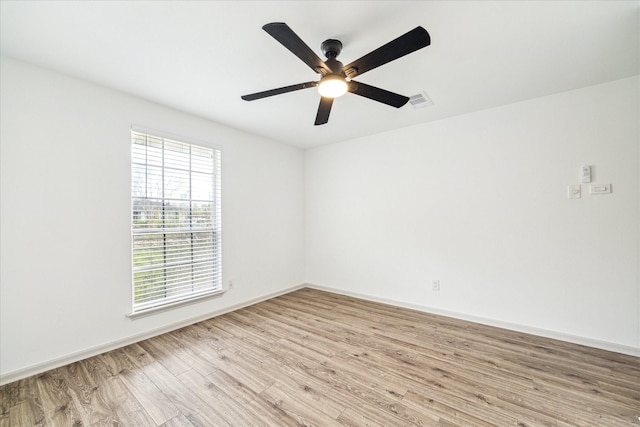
{"x": 66, "y": 252}
{"x": 479, "y": 202}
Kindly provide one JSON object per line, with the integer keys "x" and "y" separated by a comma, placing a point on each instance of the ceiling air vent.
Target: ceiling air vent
{"x": 420, "y": 100}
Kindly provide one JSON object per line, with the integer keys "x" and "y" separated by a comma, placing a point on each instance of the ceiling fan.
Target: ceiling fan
{"x": 337, "y": 79}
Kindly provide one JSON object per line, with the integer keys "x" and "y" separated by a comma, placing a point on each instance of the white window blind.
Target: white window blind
{"x": 175, "y": 221}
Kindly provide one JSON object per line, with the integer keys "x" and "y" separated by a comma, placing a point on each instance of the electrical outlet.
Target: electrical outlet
{"x": 435, "y": 285}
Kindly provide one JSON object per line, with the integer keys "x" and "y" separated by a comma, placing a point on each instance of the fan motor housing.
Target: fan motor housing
{"x": 331, "y": 48}
{"x": 334, "y": 65}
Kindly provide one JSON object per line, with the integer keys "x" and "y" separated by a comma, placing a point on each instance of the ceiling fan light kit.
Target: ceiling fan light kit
{"x": 332, "y": 86}
{"x": 336, "y": 79}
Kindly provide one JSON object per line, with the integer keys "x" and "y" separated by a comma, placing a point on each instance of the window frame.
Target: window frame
{"x": 211, "y": 285}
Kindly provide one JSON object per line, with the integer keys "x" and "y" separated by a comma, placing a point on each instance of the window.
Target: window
{"x": 175, "y": 221}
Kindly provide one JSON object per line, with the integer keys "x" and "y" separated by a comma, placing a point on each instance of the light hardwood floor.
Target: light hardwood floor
{"x": 317, "y": 358}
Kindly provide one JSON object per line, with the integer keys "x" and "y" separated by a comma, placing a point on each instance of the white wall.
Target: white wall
{"x": 65, "y": 218}
{"x": 480, "y": 202}
{"x": 476, "y": 201}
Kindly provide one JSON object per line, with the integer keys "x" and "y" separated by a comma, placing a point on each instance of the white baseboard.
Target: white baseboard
{"x": 38, "y": 368}
{"x": 18, "y": 374}
{"x": 589, "y": 342}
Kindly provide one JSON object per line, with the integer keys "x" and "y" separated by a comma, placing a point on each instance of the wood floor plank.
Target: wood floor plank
{"x": 21, "y": 401}
{"x": 317, "y": 358}
{"x": 272, "y": 414}
{"x": 367, "y": 415}
{"x": 244, "y": 368}
{"x": 107, "y": 370}
{"x": 188, "y": 404}
{"x": 179, "y": 421}
{"x": 26, "y": 413}
{"x": 135, "y": 418}
{"x": 360, "y": 387}
{"x": 124, "y": 406}
{"x": 457, "y": 410}
{"x": 204, "y": 336}
{"x": 17, "y": 392}
{"x": 124, "y": 359}
{"x": 231, "y": 412}
{"x": 300, "y": 409}
{"x": 172, "y": 360}
{"x": 154, "y": 401}
{"x": 57, "y": 403}
{"x": 243, "y": 377}
{"x": 85, "y": 392}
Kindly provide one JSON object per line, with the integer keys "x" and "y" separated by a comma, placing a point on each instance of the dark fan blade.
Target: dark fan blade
{"x": 378, "y": 94}
{"x": 323, "y": 110}
{"x": 285, "y": 35}
{"x": 259, "y": 95}
{"x": 403, "y": 45}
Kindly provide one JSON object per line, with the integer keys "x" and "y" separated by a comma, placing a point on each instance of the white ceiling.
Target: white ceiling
{"x": 201, "y": 56}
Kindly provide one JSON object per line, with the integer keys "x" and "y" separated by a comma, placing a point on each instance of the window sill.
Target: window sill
{"x": 154, "y": 310}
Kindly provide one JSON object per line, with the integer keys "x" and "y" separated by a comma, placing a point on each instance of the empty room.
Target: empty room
{"x": 319, "y": 213}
